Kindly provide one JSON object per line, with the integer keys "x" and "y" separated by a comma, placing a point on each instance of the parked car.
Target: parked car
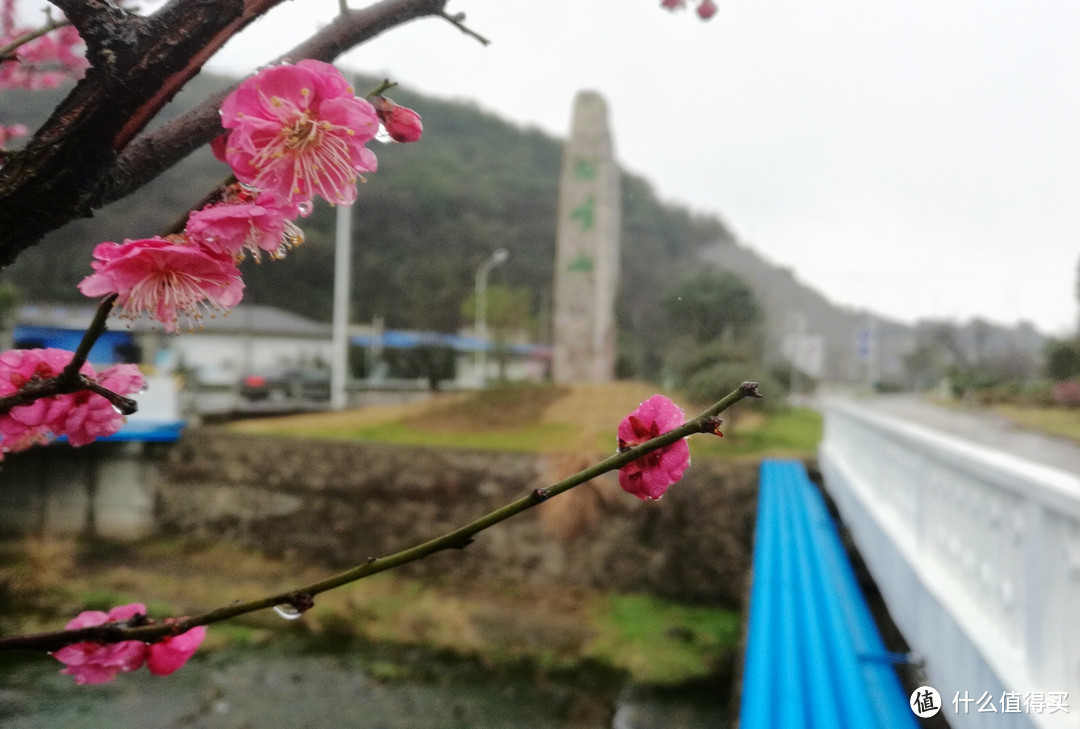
{"x": 291, "y": 384}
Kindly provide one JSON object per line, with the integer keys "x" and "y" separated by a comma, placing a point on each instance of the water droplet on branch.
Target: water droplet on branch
{"x": 288, "y": 612}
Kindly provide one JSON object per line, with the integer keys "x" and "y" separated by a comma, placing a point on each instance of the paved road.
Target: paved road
{"x": 987, "y": 429}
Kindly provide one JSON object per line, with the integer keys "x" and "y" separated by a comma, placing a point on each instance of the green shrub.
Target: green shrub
{"x": 711, "y": 383}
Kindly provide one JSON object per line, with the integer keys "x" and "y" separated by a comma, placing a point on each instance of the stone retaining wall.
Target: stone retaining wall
{"x": 340, "y": 503}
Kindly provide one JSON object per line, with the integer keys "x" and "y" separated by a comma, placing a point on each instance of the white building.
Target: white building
{"x": 220, "y": 351}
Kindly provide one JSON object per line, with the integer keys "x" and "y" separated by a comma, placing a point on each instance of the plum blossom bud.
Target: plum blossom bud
{"x": 401, "y": 123}
{"x": 706, "y": 9}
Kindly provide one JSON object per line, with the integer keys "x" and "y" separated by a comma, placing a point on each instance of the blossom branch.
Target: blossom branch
{"x": 301, "y": 598}
{"x": 151, "y": 154}
{"x": 64, "y": 385}
{"x": 137, "y": 66}
{"x": 73, "y": 164}
{"x": 90, "y": 336}
{"x": 458, "y": 21}
{"x": 126, "y": 405}
{"x": 71, "y": 380}
{"x": 7, "y": 51}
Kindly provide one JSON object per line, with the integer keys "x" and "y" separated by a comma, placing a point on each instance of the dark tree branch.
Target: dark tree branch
{"x": 62, "y": 385}
{"x": 104, "y": 27}
{"x": 90, "y": 336}
{"x": 52, "y": 180}
{"x": 137, "y": 65}
{"x": 77, "y": 161}
{"x": 163, "y": 24}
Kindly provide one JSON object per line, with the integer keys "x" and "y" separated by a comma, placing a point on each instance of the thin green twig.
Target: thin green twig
{"x": 301, "y": 598}
{"x": 7, "y": 51}
{"x": 458, "y": 21}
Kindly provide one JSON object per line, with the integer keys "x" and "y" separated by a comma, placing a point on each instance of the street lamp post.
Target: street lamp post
{"x": 499, "y": 256}
{"x": 339, "y": 373}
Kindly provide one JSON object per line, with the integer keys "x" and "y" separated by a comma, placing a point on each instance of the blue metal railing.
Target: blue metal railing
{"x": 814, "y": 657}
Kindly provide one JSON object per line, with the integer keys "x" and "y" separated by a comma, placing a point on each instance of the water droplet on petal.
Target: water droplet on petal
{"x": 383, "y": 136}
{"x": 304, "y": 208}
{"x": 288, "y": 612}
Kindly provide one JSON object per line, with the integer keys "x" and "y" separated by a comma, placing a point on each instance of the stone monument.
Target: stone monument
{"x": 586, "y": 249}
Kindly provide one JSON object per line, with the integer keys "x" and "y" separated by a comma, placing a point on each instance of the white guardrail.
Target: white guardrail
{"x": 977, "y": 554}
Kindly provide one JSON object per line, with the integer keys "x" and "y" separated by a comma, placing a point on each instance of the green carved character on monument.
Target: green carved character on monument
{"x": 585, "y": 214}
{"x": 584, "y": 169}
{"x": 581, "y": 263}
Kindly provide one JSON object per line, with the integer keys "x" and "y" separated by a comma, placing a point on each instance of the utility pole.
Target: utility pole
{"x": 499, "y": 256}
{"x": 339, "y": 364}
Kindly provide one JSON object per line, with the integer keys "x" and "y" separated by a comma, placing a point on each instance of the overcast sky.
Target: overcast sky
{"x": 920, "y": 158}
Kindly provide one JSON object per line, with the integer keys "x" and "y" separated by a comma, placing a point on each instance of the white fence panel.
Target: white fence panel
{"x": 977, "y": 554}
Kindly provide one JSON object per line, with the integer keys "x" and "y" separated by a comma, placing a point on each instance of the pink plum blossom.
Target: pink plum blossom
{"x": 91, "y": 416}
{"x": 41, "y": 63}
{"x": 401, "y": 123}
{"x": 7, "y": 133}
{"x": 705, "y": 9}
{"x": 1066, "y": 393}
{"x": 174, "y": 651}
{"x": 238, "y": 226}
{"x": 20, "y": 366}
{"x": 28, "y": 425}
{"x": 81, "y": 416}
{"x": 299, "y": 131}
{"x": 168, "y": 278}
{"x": 91, "y": 662}
{"x": 648, "y": 477}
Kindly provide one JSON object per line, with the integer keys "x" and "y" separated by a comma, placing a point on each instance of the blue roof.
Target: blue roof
{"x": 143, "y": 431}
{"x": 148, "y": 431}
{"x": 408, "y": 339}
{"x": 103, "y": 351}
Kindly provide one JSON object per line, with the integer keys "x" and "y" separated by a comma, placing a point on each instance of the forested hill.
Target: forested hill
{"x": 423, "y": 223}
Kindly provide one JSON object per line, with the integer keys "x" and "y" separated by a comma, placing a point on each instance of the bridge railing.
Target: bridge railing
{"x": 977, "y": 554}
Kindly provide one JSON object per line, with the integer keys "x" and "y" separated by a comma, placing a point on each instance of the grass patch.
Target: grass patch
{"x": 788, "y": 433}
{"x": 661, "y": 642}
{"x": 654, "y": 641}
{"x": 542, "y": 419}
{"x": 497, "y": 408}
{"x": 538, "y": 437}
{"x": 1055, "y": 421}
